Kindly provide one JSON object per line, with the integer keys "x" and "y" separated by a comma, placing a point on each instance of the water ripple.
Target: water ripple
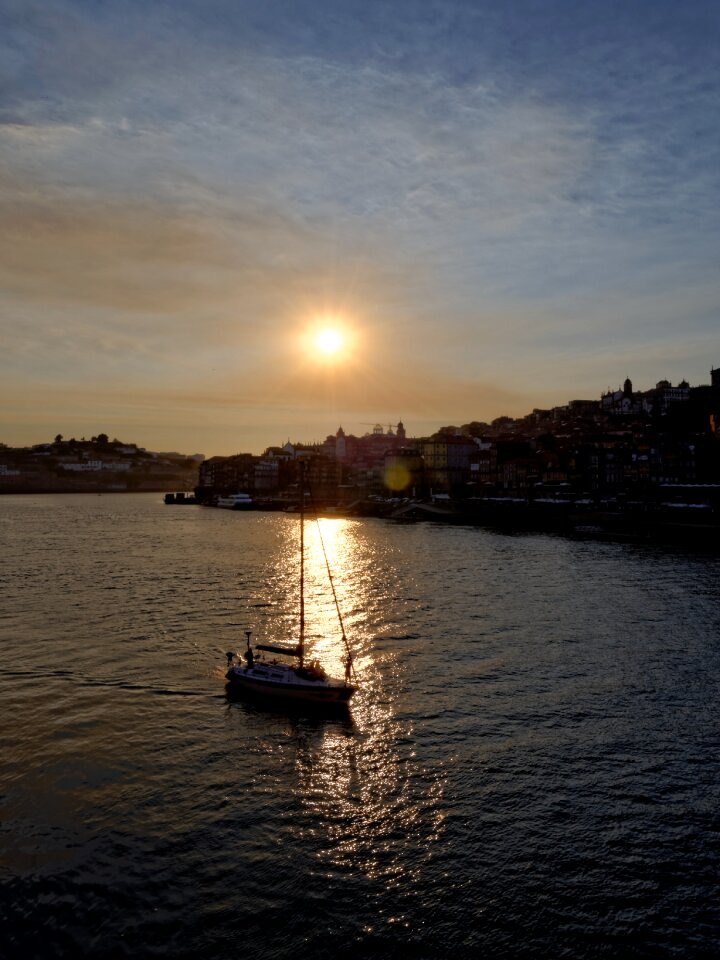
{"x": 530, "y": 768}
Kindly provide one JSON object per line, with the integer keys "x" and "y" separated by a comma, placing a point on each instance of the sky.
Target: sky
{"x": 503, "y": 206}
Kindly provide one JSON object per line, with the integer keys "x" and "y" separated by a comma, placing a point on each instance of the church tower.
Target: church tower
{"x": 400, "y": 433}
{"x": 340, "y": 445}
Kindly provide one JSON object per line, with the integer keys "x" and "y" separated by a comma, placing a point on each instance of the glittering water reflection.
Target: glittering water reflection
{"x": 334, "y": 549}
{"x": 370, "y": 805}
{"x": 380, "y": 812}
{"x": 271, "y": 603}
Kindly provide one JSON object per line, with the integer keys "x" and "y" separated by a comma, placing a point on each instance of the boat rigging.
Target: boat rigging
{"x": 301, "y": 681}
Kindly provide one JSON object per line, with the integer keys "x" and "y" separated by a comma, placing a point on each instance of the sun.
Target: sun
{"x": 329, "y": 341}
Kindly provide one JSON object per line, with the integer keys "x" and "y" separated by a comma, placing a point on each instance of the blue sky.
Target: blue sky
{"x": 510, "y": 204}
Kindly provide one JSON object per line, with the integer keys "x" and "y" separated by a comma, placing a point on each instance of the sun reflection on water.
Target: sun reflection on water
{"x": 366, "y": 797}
{"x": 344, "y": 559}
{"x": 382, "y": 814}
{"x": 271, "y": 599}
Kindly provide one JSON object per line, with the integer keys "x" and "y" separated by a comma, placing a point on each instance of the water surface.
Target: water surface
{"x": 529, "y": 769}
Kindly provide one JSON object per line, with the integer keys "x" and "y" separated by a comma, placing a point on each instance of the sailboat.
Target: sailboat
{"x": 297, "y": 680}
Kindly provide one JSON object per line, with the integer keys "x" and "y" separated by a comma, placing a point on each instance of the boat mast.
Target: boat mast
{"x": 302, "y": 561}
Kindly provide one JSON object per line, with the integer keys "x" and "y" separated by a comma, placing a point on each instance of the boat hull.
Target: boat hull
{"x": 237, "y": 501}
{"x": 303, "y": 691}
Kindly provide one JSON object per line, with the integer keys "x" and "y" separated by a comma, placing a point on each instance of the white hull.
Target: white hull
{"x": 278, "y": 681}
{"x": 236, "y": 502}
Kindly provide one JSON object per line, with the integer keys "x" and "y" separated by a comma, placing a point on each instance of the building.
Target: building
{"x": 226, "y": 475}
{"x": 447, "y": 461}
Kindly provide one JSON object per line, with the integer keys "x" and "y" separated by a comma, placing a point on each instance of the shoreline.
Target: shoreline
{"x": 638, "y": 522}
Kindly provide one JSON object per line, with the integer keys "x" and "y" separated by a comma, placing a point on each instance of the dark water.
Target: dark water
{"x": 530, "y": 768}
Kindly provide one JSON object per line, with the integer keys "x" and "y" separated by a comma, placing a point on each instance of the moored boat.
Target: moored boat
{"x": 181, "y": 498}
{"x": 235, "y": 501}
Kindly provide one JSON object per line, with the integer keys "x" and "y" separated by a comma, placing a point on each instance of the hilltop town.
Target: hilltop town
{"x": 97, "y": 465}
{"x": 659, "y": 445}
{"x": 627, "y": 442}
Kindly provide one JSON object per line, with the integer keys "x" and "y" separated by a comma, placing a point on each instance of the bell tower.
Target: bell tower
{"x": 340, "y": 445}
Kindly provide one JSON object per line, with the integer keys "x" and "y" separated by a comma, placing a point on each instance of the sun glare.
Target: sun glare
{"x": 329, "y": 341}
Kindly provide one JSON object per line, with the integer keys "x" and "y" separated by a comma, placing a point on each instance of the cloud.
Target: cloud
{"x": 129, "y": 246}
{"x": 481, "y": 190}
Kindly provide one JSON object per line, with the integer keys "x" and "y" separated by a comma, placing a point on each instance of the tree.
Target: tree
{"x": 58, "y": 438}
{"x": 476, "y": 428}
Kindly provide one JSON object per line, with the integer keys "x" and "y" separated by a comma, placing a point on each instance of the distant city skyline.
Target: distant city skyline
{"x": 500, "y": 206}
{"x": 604, "y": 398}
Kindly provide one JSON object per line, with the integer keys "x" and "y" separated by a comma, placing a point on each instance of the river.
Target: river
{"x": 530, "y": 767}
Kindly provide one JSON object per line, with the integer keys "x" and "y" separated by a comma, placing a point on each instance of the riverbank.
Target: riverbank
{"x": 671, "y": 522}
